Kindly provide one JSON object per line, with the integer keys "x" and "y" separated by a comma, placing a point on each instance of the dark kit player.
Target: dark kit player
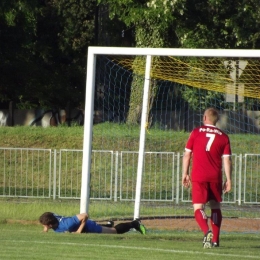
{"x": 81, "y": 224}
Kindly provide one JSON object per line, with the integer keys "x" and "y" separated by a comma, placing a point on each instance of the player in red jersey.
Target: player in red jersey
{"x": 208, "y": 147}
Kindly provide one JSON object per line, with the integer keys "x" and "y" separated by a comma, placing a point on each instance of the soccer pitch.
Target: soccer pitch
{"x": 29, "y": 242}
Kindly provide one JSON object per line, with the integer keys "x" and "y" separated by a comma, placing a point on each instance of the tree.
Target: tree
{"x": 43, "y": 46}
{"x": 74, "y": 32}
{"x": 219, "y": 24}
{"x": 152, "y": 22}
{"x": 18, "y": 27}
{"x": 186, "y": 24}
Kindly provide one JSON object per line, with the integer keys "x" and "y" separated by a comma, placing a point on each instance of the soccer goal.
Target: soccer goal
{"x": 141, "y": 103}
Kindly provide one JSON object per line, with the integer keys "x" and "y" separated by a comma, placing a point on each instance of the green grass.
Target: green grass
{"x": 111, "y": 136}
{"x": 16, "y": 210}
{"x": 29, "y": 210}
{"x": 28, "y": 242}
{"x": 21, "y": 236}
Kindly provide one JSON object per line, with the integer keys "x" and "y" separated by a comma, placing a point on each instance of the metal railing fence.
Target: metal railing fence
{"x": 25, "y": 172}
{"x": 46, "y": 173}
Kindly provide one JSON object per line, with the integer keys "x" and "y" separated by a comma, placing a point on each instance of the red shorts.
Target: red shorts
{"x": 202, "y": 192}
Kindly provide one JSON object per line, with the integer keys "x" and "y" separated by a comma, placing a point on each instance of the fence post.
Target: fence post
{"x": 116, "y": 175}
{"x": 240, "y": 179}
{"x": 54, "y": 173}
{"x": 178, "y": 179}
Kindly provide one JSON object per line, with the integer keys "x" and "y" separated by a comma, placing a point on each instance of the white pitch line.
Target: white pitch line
{"x": 139, "y": 248}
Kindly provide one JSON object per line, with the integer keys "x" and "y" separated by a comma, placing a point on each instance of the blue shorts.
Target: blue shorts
{"x": 92, "y": 227}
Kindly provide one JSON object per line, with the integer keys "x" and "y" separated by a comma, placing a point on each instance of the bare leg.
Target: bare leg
{"x": 108, "y": 230}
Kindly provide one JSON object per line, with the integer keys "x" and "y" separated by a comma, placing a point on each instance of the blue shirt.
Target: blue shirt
{"x": 71, "y": 224}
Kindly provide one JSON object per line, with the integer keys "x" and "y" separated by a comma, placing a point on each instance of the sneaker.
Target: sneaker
{"x": 142, "y": 229}
{"x": 139, "y": 227}
{"x": 207, "y": 240}
{"x": 215, "y": 244}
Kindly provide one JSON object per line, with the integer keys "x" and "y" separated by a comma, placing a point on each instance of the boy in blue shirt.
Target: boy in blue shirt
{"x": 81, "y": 224}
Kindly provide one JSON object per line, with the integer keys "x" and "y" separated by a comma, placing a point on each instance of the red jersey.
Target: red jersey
{"x": 208, "y": 144}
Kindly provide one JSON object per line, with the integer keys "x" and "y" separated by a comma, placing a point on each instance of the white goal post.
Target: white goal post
{"x": 89, "y": 103}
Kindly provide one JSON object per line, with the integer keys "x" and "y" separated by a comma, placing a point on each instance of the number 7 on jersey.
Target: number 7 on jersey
{"x": 210, "y": 141}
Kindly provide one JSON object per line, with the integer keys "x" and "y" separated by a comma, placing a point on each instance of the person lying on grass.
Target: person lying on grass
{"x": 81, "y": 224}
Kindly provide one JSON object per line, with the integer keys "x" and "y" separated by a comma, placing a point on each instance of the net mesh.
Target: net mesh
{"x": 185, "y": 86}
{"x": 231, "y": 76}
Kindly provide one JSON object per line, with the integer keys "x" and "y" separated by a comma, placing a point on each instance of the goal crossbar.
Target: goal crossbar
{"x": 173, "y": 52}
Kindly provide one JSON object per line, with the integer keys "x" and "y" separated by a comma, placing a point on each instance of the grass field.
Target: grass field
{"x": 21, "y": 236}
{"x": 28, "y": 242}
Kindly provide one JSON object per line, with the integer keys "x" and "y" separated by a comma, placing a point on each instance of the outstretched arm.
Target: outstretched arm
{"x": 228, "y": 171}
{"x": 83, "y": 217}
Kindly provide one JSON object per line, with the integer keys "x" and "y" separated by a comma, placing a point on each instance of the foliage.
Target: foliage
{"x": 43, "y": 45}
{"x": 190, "y": 24}
{"x": 219, "y": 24}
{"x": 207, "y": 98}
{"x": 197, "y": 24}
{"x": 151, "y": 21}
{"x": 77, "y": 24}
{"x": 18, "y": 28}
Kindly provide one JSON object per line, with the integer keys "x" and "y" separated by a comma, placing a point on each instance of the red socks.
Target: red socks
{"x": 216, "y": 219}
{"x": 202, "y": 220}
